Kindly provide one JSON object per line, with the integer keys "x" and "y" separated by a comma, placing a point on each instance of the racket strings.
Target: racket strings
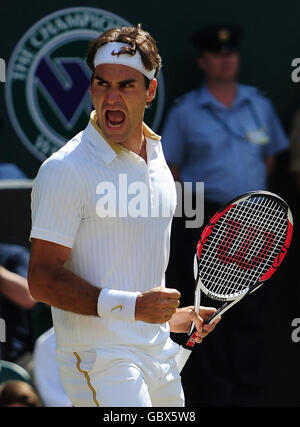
{"x": 252, "y": 253}
{"x": 242, "y": 246}
{"x": 239, "y": 253}
{"x": 251, "y": 231}
{"x": 248, "y": 243}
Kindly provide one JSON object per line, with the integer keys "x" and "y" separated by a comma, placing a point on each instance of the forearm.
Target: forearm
{"x": 50, "y": 282}
{"x": 181, "y": 320}
{"x": 15, "y": 288}
{"x": 63, "y": 289}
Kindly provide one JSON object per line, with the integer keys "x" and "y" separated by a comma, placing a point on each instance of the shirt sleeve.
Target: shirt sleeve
{"x": 173, "y": 137}
{"x": 57, "y": 203}
{"x": 278, "y": 139}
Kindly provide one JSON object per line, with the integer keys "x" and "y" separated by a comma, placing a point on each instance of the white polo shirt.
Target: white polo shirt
{"x": 115, "y": 211}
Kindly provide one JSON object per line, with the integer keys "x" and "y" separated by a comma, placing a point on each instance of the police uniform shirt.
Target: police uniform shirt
{"x": 223, "y": 147}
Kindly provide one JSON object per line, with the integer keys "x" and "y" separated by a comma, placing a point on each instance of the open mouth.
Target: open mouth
{"x": 114, "y": 118}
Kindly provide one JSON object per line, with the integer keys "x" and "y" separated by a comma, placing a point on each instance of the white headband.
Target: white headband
{"x": 108, "y": 54}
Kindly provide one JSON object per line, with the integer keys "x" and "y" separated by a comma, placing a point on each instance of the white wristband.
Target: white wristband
{"x": 118, "y": 305}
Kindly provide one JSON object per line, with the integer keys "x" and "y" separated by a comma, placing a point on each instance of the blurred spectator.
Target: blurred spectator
{"x": 15, "y": 288}
{"x": 18, "y": 394}
{"x": 45, "y": 372}
{"x": 16, "y": 301}
{"x": 227, "y": 135}
{"x": 11, "y": 171}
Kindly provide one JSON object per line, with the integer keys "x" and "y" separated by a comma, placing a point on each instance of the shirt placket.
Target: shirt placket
{"x": 148, "y": 178}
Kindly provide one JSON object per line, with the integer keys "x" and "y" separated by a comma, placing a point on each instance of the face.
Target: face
{"x": 220, "y": 66}
{"x": 119, "y": 96}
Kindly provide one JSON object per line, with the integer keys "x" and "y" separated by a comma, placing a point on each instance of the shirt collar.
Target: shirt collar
{"x": 109, "y": 150}
{"x": 206, "y": 98}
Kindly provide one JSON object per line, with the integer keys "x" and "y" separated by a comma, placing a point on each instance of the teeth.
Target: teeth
{"x": 113, "y": 125}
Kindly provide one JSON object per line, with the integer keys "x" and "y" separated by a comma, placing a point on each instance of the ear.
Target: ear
{"x": 151, "y": 92}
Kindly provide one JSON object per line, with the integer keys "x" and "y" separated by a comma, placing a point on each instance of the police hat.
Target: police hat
{"x": 218, "y": 38}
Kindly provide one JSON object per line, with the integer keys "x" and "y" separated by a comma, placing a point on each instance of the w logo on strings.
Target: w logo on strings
{"x": 244, "y": 238}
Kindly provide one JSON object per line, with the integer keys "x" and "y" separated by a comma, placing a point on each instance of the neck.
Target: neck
{"x": 136, "y": 143}
{"x": 224, "y": 91}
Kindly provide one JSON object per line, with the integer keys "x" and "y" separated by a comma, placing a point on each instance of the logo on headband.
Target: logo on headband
{"x": 47, "y": 89}
{"x": 113, "y": 53}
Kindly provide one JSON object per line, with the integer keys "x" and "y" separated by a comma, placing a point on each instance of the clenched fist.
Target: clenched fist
{"x": 157, "y": 305}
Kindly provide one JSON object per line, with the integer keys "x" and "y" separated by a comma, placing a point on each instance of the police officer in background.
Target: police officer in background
{"x": 227, "y": 135}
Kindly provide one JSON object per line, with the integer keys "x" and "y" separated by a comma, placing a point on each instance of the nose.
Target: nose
{"x": 112, "y": 96}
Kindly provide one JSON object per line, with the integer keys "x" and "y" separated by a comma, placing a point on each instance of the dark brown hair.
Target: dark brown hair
{"x": 136, "y": 38}
{"x": 15, "y": 391}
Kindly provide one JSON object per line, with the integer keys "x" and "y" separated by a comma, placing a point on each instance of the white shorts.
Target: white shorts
{"x": 119, "y": 378}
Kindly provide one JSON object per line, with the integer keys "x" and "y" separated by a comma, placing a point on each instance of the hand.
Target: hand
{"x": 157, "y": 305}
{"x": 182, "y": 320}
{"x": 205, "y": 313}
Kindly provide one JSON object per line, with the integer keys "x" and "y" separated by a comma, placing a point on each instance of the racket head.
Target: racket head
{"x": 243, "y": 245}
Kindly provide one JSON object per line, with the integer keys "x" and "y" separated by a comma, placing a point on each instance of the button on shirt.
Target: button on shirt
{"x": 115, "y": 211}
{"x": 223, "y": 147}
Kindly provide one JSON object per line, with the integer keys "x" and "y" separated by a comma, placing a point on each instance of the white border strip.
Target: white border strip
{"x": 7, "y": 184}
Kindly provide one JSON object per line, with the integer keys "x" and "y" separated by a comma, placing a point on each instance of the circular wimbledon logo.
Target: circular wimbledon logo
{"x": 47, "y": 88}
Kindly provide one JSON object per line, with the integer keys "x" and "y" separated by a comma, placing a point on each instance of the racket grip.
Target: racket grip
{"x": 190, "y": 341}
{"x": 191, "y": 328}
{"x": 214, "y": 316}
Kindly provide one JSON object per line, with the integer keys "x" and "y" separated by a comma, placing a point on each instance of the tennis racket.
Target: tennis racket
{"x": 240, "y": 248}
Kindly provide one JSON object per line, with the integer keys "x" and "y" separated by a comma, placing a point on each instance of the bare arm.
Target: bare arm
{"x": 50, "y": 282}
{"x": 15, "y": 288}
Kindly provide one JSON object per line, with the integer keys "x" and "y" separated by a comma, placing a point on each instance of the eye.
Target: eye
{"x": 127, "y": 85}
{"x": 101, "y": 83}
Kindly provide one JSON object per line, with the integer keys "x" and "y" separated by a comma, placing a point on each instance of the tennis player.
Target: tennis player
{"x": 99, "y": 259}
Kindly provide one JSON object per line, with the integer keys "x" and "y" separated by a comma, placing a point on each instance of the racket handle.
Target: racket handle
{"x": 191, "y": 329}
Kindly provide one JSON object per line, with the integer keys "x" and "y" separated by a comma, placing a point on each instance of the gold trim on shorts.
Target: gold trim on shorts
{"x": 87, "y": 377}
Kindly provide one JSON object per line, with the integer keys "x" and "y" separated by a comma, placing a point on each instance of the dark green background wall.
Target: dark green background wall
{"x": 271, "y": 41}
